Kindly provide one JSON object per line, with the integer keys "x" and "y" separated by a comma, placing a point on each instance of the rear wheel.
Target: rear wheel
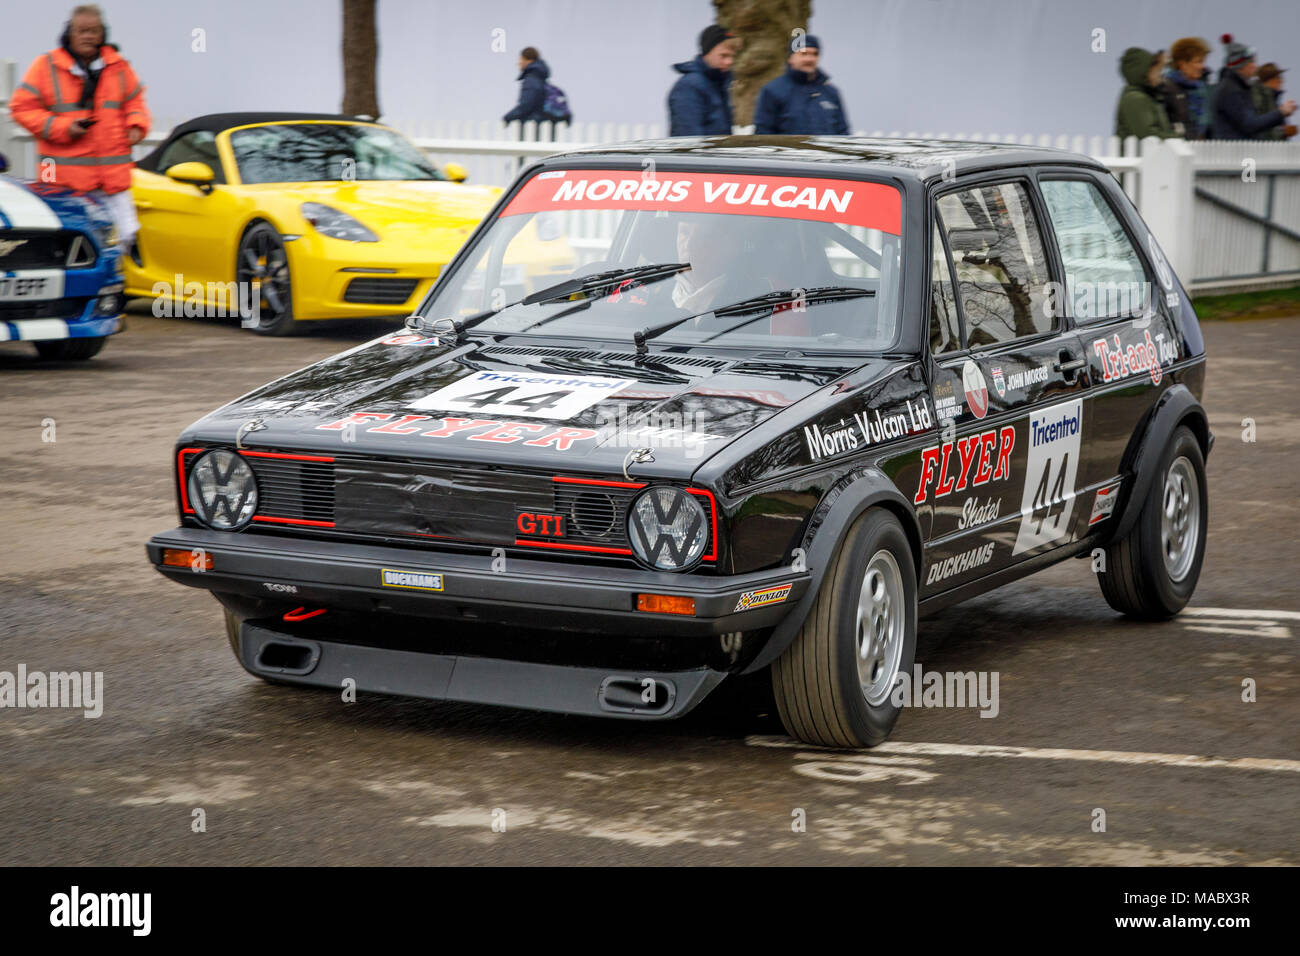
{"x": 834, "y": 684}
{"x": 262, "y": 266}
{"x": 1152, "y": 571}
{"x": 71, "y": 350}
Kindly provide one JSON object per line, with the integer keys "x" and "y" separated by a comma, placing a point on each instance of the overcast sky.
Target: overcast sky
{"x": 989, "y": 66}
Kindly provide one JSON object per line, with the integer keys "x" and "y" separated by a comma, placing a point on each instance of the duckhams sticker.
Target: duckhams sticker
{"x": 412, "y": 580}
{"x": 521, "y": 393}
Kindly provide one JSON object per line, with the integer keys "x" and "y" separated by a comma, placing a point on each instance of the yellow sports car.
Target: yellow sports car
{"x": 281, "y": 217}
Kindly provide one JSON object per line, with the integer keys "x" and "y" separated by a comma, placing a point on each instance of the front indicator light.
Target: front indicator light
{"x": 665, "y": 604}
{"x": 194, "y": 559}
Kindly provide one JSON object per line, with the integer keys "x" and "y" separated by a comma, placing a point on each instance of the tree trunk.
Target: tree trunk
{"x": 360, "y": 57}
{"x": 765, "y": 28}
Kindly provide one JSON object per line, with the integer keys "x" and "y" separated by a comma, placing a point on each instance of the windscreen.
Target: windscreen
{"x": 692, "y": 258}
{"x": 326, "y": 152}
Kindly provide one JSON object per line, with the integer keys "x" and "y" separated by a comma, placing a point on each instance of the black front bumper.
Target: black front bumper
{"x": 268, "y": 652}
{"x": 550, "y": 595}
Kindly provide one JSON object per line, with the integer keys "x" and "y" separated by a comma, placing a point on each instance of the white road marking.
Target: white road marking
{"x": 1247, "y": 622}
{"x": 1237, "y": 612}
{"x": 907, "y": 747}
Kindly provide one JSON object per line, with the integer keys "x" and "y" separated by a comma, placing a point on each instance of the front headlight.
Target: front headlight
{"x": 335, "y": 223}
{"x": 668, "y": 528}
{"x": 222, "y": 490}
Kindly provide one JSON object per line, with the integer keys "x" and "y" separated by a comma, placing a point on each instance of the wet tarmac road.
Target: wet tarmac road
{"x": 1095, "y": 712}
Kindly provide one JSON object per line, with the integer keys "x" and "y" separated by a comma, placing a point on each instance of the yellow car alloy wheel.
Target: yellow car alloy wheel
{"x": 262, "y": 268}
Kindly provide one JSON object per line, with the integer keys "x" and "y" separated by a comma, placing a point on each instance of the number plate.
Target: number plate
{"x": 519, "y": 393}
{"x": 32, "y": 285}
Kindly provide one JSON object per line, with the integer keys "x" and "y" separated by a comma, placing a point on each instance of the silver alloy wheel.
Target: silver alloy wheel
{"x": 1180, "y": 518}
{"x": 882, "y": 616}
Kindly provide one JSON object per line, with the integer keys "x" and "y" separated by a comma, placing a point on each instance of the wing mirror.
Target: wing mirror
{"x": 195, "y": 174}
{"x": 4, "y": 163}
{"x": 455, "y": 172}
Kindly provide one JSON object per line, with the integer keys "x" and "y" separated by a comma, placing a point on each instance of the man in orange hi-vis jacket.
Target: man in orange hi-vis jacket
{"x": 85, "y": 107}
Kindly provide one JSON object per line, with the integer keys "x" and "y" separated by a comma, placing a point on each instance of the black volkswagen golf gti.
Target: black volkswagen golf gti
{"x": 685, "y": 409}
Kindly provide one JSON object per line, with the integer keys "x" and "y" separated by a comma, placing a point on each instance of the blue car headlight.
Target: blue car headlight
{"x": 335, "y": 223}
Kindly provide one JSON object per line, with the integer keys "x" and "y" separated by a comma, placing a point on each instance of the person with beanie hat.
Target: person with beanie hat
{"x": 801, "y": 100}
{"x": 1234, "y": 110}
{"x": 1141, "y": 109}
{"x": 699, "y": 104}
{"x": 1186, "y": 90}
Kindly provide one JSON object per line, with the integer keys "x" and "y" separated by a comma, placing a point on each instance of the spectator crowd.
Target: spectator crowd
{"x": 1178, "y": 96}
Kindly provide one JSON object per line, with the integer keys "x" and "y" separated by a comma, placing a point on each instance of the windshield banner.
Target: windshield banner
{"x": 845, "y": 201}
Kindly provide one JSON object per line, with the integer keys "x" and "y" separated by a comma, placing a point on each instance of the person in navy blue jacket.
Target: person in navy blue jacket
{"x": 533, "y": 74}
{"x": 699, "y": 103}
{"x": 801, "y": 100}
{"x": 1234, "y": 109}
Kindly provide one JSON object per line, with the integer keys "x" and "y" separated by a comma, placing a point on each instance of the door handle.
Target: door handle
{"x": 1067, "y": 364}
{"x": 143, "y": 204}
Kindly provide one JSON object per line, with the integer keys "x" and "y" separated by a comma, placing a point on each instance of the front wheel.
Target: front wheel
{"x": 1152, "y": 571}
{"x": 70, "y": 350}
{"x": 834, "y": 685}
{"x": 262, "y": 267}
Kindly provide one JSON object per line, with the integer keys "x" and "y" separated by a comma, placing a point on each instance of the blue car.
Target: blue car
{"x": 60, "y": 270}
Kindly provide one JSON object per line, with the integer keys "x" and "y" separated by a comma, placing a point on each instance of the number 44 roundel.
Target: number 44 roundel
{"x": 1047, "y": 503}
{"x": 520, "y": 393}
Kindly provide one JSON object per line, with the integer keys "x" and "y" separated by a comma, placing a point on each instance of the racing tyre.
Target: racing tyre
{"x": 833, "y": 685}
{"x": 1152, "y": 571}
{"x": 263, "y": 263}
{"x": 70, "y": 350}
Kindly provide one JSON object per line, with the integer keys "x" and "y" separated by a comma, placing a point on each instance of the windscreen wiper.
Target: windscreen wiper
{"x": 827, "y": 293}
{"x": 556, "y": 293}
{"x": 598, "y": 280}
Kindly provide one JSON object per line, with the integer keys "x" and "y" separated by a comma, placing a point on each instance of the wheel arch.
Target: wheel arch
{"x": 1176, "y": 407}
{"x": 847, "y": 500}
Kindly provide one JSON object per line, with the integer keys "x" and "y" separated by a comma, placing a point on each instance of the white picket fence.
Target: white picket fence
{"x": 1226, "y": 214}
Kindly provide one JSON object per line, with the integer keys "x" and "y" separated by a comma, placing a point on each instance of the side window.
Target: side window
{"x": 197, "y": 147}
{"x": 997, "y": 252}
{"x": 945, "y": 333}
{"x": 1104, "y": 277}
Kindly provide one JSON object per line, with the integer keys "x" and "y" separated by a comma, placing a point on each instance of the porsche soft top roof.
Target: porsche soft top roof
{"x": 217, "y": 122}
{"x": 920, "y": 159}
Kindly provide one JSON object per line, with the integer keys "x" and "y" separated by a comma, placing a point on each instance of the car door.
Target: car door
{"x": 184, "y": 231}
{"x": 1124, "y": 322}
{"x": 1006, "y": 385}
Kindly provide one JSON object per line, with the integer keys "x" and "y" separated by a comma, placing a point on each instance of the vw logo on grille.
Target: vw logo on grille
{"x": 667, "y": 527}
